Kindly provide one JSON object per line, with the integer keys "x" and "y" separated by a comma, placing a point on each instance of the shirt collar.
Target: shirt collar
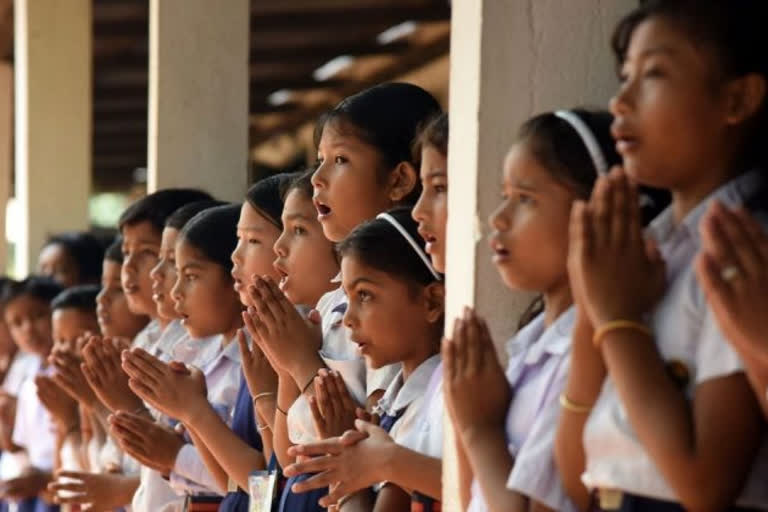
{"x": 400, "y": 395}
{"x": 733, "y": 193}
{"x": 555, "y": 340}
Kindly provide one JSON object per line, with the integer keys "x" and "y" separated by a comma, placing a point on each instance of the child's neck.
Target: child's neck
{"x": 687, "y": 196}
{"x": 557, "y": 301}
{"x": 230, "y": 333}
{"x": 415, "y": 360}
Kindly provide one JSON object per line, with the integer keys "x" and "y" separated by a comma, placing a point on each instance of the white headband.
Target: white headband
{"x": 588, "y": 138}
{"x": 408, "y": 238}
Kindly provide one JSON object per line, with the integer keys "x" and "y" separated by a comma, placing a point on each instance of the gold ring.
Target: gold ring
{"x": 730, "y": 273}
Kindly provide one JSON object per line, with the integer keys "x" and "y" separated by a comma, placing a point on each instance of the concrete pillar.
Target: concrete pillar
{"x": 53, "y": 120}
{"x": 198, "y": 95}
{"x": 509, "y": 60}
{"x": 6, "y": 152}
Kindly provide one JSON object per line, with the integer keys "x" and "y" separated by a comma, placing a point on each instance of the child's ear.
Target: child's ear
{"x": 402, "y": 181}
{"x": 434, "y": 297}
{"x": 746, "y": 96}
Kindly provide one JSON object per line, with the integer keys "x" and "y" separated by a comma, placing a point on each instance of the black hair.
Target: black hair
{"x": 184, "y": 214}
{"x": 86, "y": 251}
{"x": 433, "y": 134}
{"x": 156, "y": 207}
{"x": 734, "y": 30}
{"x": 39, "y": 287}
{"x": 266, "y": 196}
{"x": 82, "y": 298}
{"x": 213, "y": 232}
{"x": 387, "y": 117}
{"x": 115, "y": 251}
{"x": 559, "y": 148}
{"x": 301, "y": 182}
{"x": 378, "y": 244}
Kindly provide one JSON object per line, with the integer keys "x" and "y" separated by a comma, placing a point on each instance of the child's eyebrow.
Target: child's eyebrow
{"x": 250, "y": 228}
{"x": 192, "y": 264}
{"x": 656, "y": 50}
{"x": 436, "y": 173}
{"x": 297, "y": 215}
{"x": 361, "y": 280}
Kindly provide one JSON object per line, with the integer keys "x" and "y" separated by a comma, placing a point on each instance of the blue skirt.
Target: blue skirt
{"x": 303, "y": 502}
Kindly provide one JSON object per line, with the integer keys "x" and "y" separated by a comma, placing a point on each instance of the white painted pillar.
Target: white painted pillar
{"x": 198, "y": 96}
{"x": 6, "y": 152}
{"x": 509, "y": 60}
{"x": 53, "y": 120}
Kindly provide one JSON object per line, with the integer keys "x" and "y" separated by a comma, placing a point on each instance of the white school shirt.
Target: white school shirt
{"x": 148, "y": 337}
{"x": 223, "y": 377}
{"x": 409, "y": 396}
{"x": 22, "y": 367}
{"x": 33, "y": 428}
{"x": 426, "y": 436}
{"x": 154, "y": 491}
{"x": 338, "y": 353}
{"x": 685, "y": 331}
{"x": 537, "y": 372}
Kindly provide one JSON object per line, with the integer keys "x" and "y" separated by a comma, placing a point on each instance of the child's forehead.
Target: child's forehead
{"x": 26, "y": 302}
{"x": 141, "y": 232}
{"x": 73, "y": 314}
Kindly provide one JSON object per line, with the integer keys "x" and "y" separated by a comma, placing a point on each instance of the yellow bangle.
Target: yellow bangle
{"x": 265, "y": 394}
{"x": 617, "y": 325}
{"x": 568, "y": 405}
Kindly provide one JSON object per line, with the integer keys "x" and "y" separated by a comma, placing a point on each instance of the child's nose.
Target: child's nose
{"x": 318, "y": 177}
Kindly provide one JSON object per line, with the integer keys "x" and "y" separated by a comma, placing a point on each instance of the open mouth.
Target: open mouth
{"x": 625, "y": 139}
{"x": 430, "y": 240}
{"x": 625, "y": 144}
{"x": 500, "y": 253}
{"x": 323, "y": 210}
{"x": 238, "y": 282}
{"x": 283, "y": 276}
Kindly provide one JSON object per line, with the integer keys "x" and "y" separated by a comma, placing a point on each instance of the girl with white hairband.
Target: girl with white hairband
{"x": 395, "y": 316}
{"x": 505, "y": 422}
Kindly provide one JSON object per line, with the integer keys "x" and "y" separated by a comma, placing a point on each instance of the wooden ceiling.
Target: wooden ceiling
{"x": 290, "y": 39}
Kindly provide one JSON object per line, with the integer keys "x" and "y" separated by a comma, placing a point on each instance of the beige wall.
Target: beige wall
{"x": 53, "y": 120}
{"x": 6, "y": 152}
{"x": 198, "y": 96}
{"x": 509, "y": 60}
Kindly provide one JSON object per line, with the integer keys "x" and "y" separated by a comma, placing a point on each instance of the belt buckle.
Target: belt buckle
{"x": 610, "y": 499}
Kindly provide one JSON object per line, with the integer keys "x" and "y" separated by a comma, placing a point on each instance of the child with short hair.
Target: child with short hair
{"x": 27, "y": 312}
{"x": 205, "y": 298}
{"x": 71, "y": 258}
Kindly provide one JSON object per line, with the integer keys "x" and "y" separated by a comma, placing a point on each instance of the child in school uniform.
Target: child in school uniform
{"x": 505, "y": 421}
{"x": 659, "y": 398}
{"x": 395, "y": 314}
{"x": 141, "y": 226}
{"x": 175, "y": 342}
{"x": 115, "y": 318}
{"x": 416, "y": 457}
{"x": 205, "y": 299}
{"x": 364, "y": 168}
{"x": 73, "y": 315}
{"x": 301, "y": 249}
{"x": 104, "y": 479}
{"x": 27, "y": 313}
